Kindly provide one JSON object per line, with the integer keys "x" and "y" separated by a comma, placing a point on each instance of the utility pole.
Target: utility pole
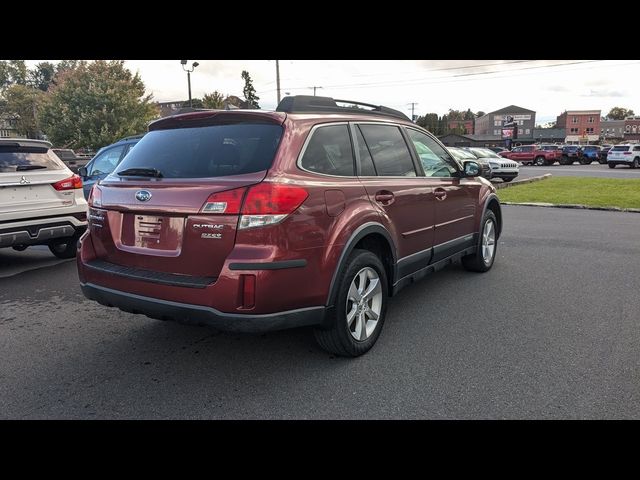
{"x": 314, "y": 90}
{"x": 278, "y": 78}
{"x": 413, "y": 105}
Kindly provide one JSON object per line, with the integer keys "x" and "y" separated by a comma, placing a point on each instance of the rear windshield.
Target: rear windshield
{"x": 16, "y": 159}
{"x": 620, "y": 149}
{"x": 485, "y": 153}
{"x": 210, "y": 151}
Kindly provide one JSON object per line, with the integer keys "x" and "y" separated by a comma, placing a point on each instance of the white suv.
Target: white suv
{"x": 624, "y": 155}
{"x": 41, "y": 200}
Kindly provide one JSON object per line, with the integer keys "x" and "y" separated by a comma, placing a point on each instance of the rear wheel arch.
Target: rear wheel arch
{"x": 374, "y": 238}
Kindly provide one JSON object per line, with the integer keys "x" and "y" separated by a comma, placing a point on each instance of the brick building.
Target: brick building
{"x": 632, "y": 129}
{"x": 582, "y": 126}
{"x": 466, "y": 124}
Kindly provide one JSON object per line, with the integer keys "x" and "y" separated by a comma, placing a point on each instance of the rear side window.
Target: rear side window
{"x": 390, "y": 153}
{"x": 329, "y": 151}
{"x": 208, "y": 151}
{"x": 19, "y": 159}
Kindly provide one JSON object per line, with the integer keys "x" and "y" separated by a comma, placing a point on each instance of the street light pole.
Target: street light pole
{"x": 193, "y": 67}
{"x": 278, "y": 78}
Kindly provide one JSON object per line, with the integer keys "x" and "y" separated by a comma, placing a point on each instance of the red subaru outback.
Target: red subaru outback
{"x": 314, "y": 214}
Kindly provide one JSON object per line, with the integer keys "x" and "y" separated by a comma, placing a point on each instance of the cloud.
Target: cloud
{"x": 605, "y": 93}
{"x": 557, "y": 88}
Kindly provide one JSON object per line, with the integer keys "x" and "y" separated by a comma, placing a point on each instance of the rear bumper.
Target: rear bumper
{"x": 201, "y": 315}
{"x": 40, "y": 231}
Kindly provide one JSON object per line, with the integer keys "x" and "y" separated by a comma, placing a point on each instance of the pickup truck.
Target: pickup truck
{"x": 533, "y": 155}
{"x": 71, "y": 159}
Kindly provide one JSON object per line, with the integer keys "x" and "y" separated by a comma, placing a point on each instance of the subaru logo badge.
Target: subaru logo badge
{"x": 143, "y": 195}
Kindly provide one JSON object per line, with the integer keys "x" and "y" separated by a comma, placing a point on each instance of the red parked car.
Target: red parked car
{"x": 533, "y": 155}
{"x": 313, "y": 214}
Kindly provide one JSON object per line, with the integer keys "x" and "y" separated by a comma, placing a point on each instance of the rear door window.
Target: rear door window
{"x": 329, "y": 151}
{"x": 206, "y": 151}
{"x": 390, "y": 152}
{"x": 17, "y": 159}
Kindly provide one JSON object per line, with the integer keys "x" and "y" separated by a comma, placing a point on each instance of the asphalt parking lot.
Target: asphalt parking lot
{"x": 576, "y": 170}
{"x": 552, "y": 331}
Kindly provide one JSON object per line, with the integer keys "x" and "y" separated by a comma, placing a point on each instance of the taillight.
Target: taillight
{"x": 70, "y": 183}
{"x": 227, "y": 202}
{"x": 627, "y": 153}
{"x": 95, "y": 196}
{"x": 269, "y": 203}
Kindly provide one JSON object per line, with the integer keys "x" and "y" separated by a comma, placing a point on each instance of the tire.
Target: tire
{"x": 540, "y": 161}
{"x": 634, "y": 164}
{"x": 585, "y": 161}
{"x": 65, "y": 249}
{"x": 508, "y": 179}
{"x": 565, "y": 160}
{"x": 340, "y": 339}
{"x": 611, "y": 165}
{"x": 476, "y": 262}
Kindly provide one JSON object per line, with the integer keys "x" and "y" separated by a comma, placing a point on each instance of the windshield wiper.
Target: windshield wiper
{"x": 141, "y": 172}
{"x": 22, "y": 168}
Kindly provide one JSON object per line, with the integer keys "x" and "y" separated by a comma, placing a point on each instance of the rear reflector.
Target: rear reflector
{"x": 70, "y": 183}
{"x": 248, "y": 291}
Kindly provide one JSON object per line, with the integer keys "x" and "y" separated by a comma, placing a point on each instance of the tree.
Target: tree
{"x": 619, "y": 113}
{"x": 480, "y": 113}
{"x": 195, "y": 103}
{"x": 95, "y": 104}
{"x": 468, "y": 115}
{"x": 13, "y": 72}
{"x": 429, "y": 122}
{"x": 248, "y": 91}
{"x": 213, "y": 100}
{"x": 23, "y": 103}
{"x": 42, "y": 75}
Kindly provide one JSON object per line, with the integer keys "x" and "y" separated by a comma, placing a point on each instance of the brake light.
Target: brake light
{"x": 95, "y": 196}
{"x": 227, "y": 202}
{"x": 270, "y": 203}
{"x": 273, "y": 199}
{"x": 627, "y": 153}
{"x": 70, "y": 183}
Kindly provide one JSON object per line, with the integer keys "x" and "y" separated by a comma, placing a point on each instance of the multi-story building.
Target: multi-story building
{"x": 582, "y": 126}
{"x": 632, "y": 129}
{"x": 8, "y": 126}
{"x": 457, "y": 124}
{"x": 492, "y": 122}
{"x": 611, "y": 130}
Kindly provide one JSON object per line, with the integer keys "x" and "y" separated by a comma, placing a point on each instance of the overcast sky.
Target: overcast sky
{"x": 548, "y": 87}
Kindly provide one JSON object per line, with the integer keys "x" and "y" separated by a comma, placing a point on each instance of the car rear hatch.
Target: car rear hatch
{"x": 619, "y": 153}
{"x": 32, "y": 179}
{"x": 173, "y": 203}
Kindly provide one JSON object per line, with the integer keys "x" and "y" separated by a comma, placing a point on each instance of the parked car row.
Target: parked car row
{"x": 545, "y": 155}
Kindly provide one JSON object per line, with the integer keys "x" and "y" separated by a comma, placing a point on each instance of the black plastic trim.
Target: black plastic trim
{"x": 201, "y": 315}
{"x": 361, "y": 232}
{"x": 411, "y": 263}
{"x": 451, "y": 247}
{"x": 151, "y": 276}
{"x": 268, "y": 266}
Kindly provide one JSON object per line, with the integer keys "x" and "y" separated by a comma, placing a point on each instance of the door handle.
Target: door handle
{"x": 440, "y": 194}
{"x": 384, "y": 197}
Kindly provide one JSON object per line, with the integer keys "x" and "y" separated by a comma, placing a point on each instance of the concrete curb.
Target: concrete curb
{"x": 513, "y": 183}
{"x": 570, "y": 205}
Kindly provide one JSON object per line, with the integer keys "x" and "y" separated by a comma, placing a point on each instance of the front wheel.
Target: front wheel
{"x": 585, "y": 161}
{"x": 482, "y": 259}
{"x": 360, "y": 309}
{"x": 540, "y": 161}
{"x": 507, "y": 179}
{"x": 565, "y": 160}
{"x": 634, "y": 164}
{"x": 612, "y": 165}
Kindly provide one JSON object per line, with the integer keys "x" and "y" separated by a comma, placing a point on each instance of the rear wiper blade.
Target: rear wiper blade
{"x": 141, "y": 172}
{"x": 22, "y": 168}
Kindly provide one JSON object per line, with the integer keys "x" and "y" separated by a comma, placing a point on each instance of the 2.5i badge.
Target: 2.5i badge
{"x": 217, "y": 236}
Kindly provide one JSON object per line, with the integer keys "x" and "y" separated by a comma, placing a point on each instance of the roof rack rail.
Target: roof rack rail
{"x": 312, "y": 104}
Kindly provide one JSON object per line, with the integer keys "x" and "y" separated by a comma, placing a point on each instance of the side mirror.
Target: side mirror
{"x": 471, "y": 168}
{"x": 82, "y": 171}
